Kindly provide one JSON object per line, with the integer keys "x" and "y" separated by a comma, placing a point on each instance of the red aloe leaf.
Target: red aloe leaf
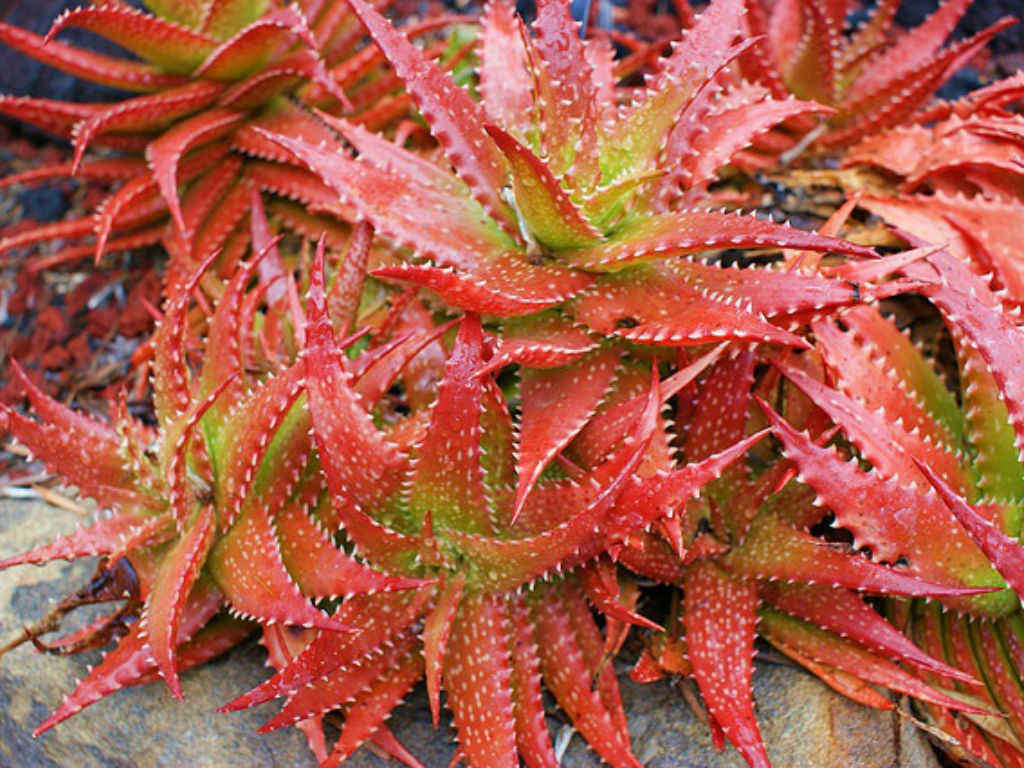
{"x": 1004, "y": 687}
{"x": 648, "y": 306}
{"x": 197, "y": 202}
{"x": 168, "y": 45}
{"x": 404, "y": 209}
{"x": 735, "y": 121}
{"x": 652, "y": 557}
{"x": 131, "y": 662}
{"x": 891, "y": 520}
{"x": 320, "y": 568}
{"x": 977, "y": 231}
{"x": 1005, "y": 553}
{"x": 84, "y": 460}
{"x": 564, "y": 81}
{"x": 164, "y": 605}
{"x": 371, "y": 468}
{"x": 223, "y": 336}
{"x": 144, "y": 112}
{"x": 636, "y": 141}
{"x": 152, "y": 533}
{"x": 674, "y": 234}
{"x": 456, "y": 121}
{"x": 699, "y": 53}
{"x": 252, "y": 47}
{"x": 773, "y": 550}
{"x": 282, "y": 645}
{"x": 720, "y": 613}
{"x": 506, "y": 285}
{"x": 881, "y": 392}
{"x": 165, "y": 152}
{"x": 57, "y": 117}
{"x": 543, "y": 340}
{"x": 447, "y": 479}
{"x": 665, "y": 494}
{"x": 771, "y": 292}
{"x": 719, "y": 420}
{"x": 106, "y": 70}
{"x": 388, "y": 156}
{"x": 371, "y": 708}
{"x": 811, "y": 71}
{"x": 247, "y": 444}
{"x": 967, "y": 305}
{"x": 568, "y": 677}
{"x": 141, "y": 239}
{"x": 119, "y": 668}
{"x": 995, "y": 460}
{"x": 247, "y": 565}
{"x": 188, "y": 13}
{"x": 593, "y": 647}
{"x": 340, "y": 421}
{"x": 873, "y": 434}
{"x": 270, "y": 265}
{"x": 107, "y": 170}
{"x": 929, "y": 633}
{"x": 600, "y": 583}
{"x": 832, "y": 650}
{"x": 477, "y": 673}
{"x": 378, "y": 374}
{"x": 497, "y": 447}
{"x": 546, "y": 210}
{"x": 532, "y": 738}
{"x": 174, "y": 455}
{"x": 265, "y": 84}
{"x": 69, "y": 228}
{"x": 139, "y": 200}
{"x": 344, "y": 684}
{"x": 842, "y": 682}
{"x": 879, "y": 109}
{"x": 137, "y": 193}
{"x": 916, "y": 47}
{"x": 347, "y": 286}
{"x": 625, "y": 406}
{"x": 56, "y": 414}
{"x": 507, "y": 563}
{"x": 846, "y": 614}
{"x": 871, "y": 34}
{"x": 287, "y": 118}
{"x": 436, "y": 630}
{"x": 556, "y": 405}
{"x": 506, "y": 85}
{"x": 923, "y": 402}
{"x": 385, "y": 741}
{"x": 380, "y": 617}
{"x": 223, "y": 18}
{"x": 100, "y": 538}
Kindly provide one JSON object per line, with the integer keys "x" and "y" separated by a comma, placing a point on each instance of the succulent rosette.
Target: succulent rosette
{"x": 752, "y": 559}
{"x": 185, "y": 154}
{"x": 554, "y": 191}
{"x": 966, "y": 448}
{"x": 875, "y": 77}
{"x": 209, "y": 510}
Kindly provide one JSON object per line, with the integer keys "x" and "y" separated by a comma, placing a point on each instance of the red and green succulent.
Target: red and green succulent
{"x": 187, "y": 152}
{"x": 875, "y": 77}
{"x": 435, "y": 448}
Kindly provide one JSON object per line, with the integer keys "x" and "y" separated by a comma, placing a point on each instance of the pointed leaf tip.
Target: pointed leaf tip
{"x": 1006, "y": 553}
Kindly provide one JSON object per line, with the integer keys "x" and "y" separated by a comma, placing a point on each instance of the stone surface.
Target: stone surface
{"x": 805, "y": 725}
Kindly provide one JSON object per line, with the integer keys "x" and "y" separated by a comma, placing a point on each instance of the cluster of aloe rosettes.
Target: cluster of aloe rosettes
{"x": 439, "y": 443}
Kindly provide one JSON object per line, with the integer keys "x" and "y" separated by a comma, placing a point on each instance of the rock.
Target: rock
{"x": 805, "y": 725}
